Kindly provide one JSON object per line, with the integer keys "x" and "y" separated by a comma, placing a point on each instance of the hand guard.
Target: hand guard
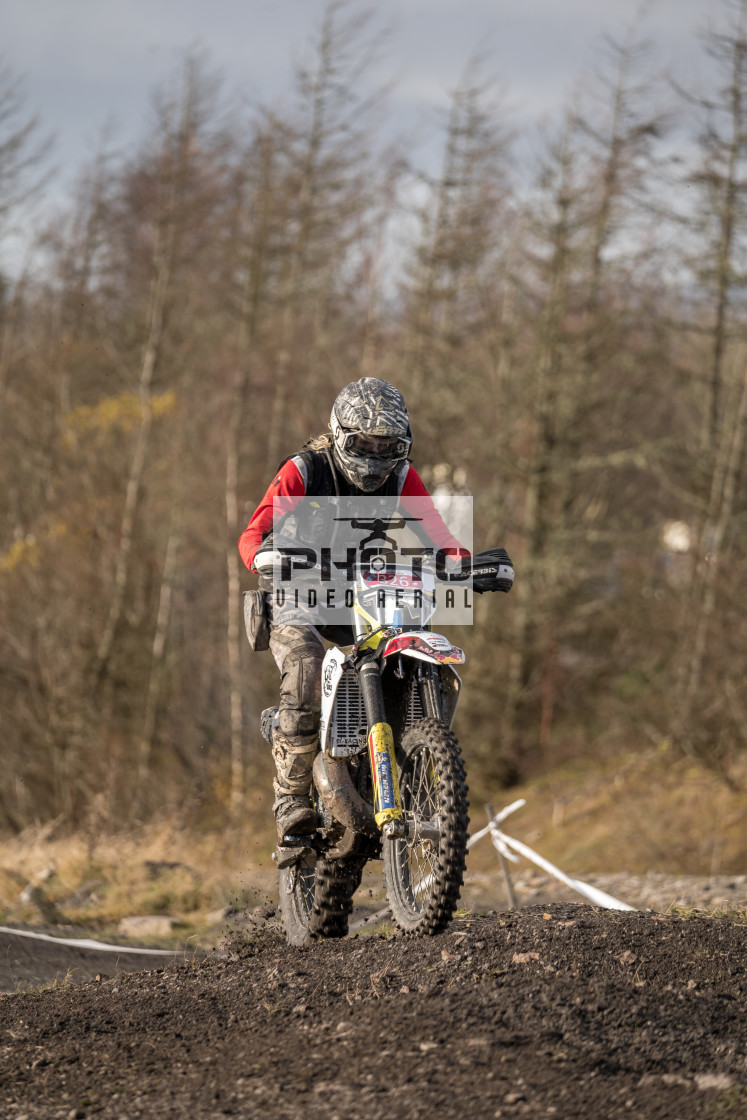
{"x": 492, "y": 570}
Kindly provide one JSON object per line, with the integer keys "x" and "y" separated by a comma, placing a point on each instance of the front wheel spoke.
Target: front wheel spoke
{"x": 427, "y": 799}
{"x": 416, "y": 785}
{"x": 425, "y": 885}
{"x": 421, "y": 869}
{"x": 421, "y": 791}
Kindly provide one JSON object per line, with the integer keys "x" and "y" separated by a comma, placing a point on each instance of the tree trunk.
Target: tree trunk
{"x": 730, "y": 454}
{"x": 137, "y": 468}
{"x": 155, "y": 678}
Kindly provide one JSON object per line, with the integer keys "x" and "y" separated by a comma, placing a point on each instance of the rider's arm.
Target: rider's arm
{"x": 287, "y": 483}
{"x": 432, "y": 524}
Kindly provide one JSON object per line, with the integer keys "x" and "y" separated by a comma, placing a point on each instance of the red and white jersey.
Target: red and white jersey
{"x": 291, "y": 481}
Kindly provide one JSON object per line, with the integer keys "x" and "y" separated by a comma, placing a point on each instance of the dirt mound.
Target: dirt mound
{"x": 561, "y": 1012}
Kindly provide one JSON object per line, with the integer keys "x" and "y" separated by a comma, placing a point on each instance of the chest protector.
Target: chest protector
{"x": 323, "y": 480}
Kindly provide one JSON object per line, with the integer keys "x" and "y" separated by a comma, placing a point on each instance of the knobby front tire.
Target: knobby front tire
{"x": 424, "y": 878}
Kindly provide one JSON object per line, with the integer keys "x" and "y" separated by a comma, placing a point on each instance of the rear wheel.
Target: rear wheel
{"x": 297, "y": 886}
{"x": 316, "y": 897}
{"x": 424, "y": 871}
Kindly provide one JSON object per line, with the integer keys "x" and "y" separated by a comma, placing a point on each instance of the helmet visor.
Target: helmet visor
{"x": 380, "y": 447}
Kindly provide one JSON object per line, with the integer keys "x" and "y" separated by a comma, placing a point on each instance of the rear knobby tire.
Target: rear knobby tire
{"x": 316, "y": 897}
{"x": 424, "y": 879}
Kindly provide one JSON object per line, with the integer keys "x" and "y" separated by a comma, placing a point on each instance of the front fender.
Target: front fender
{"x": 425, "y": 646}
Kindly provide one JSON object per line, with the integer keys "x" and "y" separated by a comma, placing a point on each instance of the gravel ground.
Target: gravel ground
{"x": 654, "y": 891}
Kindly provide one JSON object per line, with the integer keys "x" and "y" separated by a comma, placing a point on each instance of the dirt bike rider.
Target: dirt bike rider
{"x": 365, "y": 453}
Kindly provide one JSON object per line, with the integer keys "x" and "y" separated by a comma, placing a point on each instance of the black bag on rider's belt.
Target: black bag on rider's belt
{"x": 492, "y": 570}
{"x": 256, "y": 620}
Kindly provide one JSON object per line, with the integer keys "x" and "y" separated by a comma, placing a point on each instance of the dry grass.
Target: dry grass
{"x": 645, "y": 812}
{"x": 154, "y": 870}
{"x": 735, "y": 914}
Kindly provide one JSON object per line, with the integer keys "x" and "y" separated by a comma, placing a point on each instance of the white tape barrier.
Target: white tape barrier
{"x": 496, "y": 821}
{"x": 502, "y": 843}
{"x": 83, "y": 943}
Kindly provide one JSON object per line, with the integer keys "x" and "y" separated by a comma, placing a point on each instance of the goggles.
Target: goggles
{"x": 380, "y": 447}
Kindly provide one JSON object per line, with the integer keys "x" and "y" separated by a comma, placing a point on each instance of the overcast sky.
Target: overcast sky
{"x": 89, "y": 63}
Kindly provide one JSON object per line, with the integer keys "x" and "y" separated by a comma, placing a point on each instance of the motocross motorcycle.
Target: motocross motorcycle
{"x": 389, "y": 780}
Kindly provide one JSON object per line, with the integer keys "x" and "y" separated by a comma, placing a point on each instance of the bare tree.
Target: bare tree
{"x": 592, "y": 194}
{"x": 22, "y": 150}
{"x": 328, "y": 187}
{"x": 181, "y": 121}
{"x": 717, "y": 232}
{"x": 720, "y": 220}
{"x": 254, "y": 237}
{"x": 459, "y": 249}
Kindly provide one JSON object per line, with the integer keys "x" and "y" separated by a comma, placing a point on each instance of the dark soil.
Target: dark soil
{"x": 562, "y": 1012}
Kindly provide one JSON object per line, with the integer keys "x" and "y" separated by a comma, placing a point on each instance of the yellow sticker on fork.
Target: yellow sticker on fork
{"x": 387, "y": 803}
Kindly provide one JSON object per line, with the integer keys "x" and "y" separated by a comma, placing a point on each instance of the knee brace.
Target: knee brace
{"x": 300, "y": 695}
{"x": 294, "y": 760}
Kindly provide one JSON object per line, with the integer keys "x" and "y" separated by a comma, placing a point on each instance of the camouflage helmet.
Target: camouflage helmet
{"x": 371, "y": 432}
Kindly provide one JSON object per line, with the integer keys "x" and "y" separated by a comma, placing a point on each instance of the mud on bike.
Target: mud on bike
{"x": 389, "y": 780}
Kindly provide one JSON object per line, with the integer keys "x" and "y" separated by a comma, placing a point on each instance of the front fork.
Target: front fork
{"x": 387, "y": 801}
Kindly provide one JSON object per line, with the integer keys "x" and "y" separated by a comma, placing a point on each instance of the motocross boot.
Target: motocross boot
{"x": 294, "y": 813}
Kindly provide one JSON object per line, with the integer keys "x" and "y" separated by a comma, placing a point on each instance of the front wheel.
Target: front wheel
{"x": 424, "y": 871}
